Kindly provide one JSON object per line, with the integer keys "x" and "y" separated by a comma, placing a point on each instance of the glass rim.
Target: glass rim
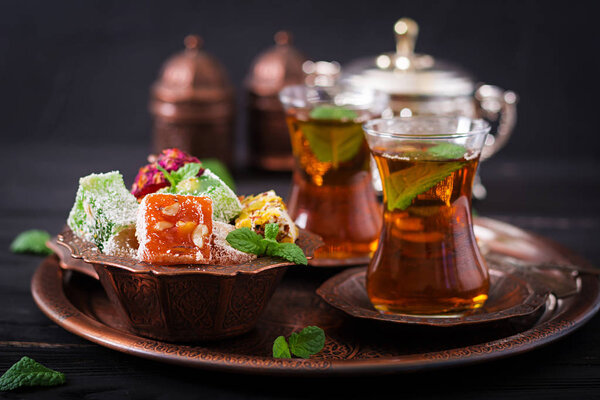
{"x": 288, "y": 96}
{"x": 477, "y": 126}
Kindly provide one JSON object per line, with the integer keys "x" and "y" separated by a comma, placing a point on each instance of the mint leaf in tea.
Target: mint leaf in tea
{"x": 447, "y": 151}
{"x": 402, "y": 187}
{"x": 333, "y": 112}
{"x": 327, "y": 137}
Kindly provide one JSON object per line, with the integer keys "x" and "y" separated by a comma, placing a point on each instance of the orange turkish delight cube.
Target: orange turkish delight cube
{"x": 174, "y": 229}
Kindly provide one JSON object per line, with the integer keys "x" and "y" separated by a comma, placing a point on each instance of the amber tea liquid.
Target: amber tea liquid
{"x": 427, "y": 262}
{"x": 332, "y": 194}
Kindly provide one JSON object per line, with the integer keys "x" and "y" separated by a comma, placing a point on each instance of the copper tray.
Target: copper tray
{"x": 354, "y": 346}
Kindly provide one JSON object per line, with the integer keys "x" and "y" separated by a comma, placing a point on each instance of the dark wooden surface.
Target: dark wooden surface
{"x": 555, "y": 198}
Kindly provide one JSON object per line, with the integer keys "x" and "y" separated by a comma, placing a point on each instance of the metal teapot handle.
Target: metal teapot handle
{"x": 500, "y": 108}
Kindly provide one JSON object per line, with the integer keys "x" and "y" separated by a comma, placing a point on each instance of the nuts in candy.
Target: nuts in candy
{"x": 181, "y": 235}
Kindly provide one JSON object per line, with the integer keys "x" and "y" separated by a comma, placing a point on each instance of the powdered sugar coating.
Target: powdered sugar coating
{"x": 221, "y": 252}
{"x": 103, "y": 208}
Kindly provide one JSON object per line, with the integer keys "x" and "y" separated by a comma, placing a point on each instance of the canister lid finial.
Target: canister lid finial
{"x": 193, "y": 42}
{"x": 283, "y": 38}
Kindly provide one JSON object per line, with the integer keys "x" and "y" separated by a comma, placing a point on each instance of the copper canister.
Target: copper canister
{"x": 193, "y": 104}
{"x": 278, "y": 66}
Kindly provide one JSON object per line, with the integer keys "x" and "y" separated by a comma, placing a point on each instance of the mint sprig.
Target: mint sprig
{"x": 32, "y": 241}
{"x": 28, "y": 372}
{"x": 303, "y": 344}
{"x": 187, "y": 171}
{"x": 248, "y": 241}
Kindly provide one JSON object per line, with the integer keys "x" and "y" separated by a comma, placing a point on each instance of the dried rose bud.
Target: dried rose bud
{"x": 149, "y": 179}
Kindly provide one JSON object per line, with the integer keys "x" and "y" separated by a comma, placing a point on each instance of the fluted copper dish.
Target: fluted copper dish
{"x": 353, "y": 346}
{"x": 183, "y": 302}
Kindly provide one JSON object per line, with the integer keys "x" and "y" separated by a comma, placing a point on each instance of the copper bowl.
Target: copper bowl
{"x": 181, "y": 303}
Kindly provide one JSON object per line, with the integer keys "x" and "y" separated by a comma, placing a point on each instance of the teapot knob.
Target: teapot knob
{"x": 406, "y": 31}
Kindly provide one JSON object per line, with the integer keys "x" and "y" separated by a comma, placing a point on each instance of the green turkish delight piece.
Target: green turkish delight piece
{"x": 104, "y": 211}
{"x": 226, "y": 205}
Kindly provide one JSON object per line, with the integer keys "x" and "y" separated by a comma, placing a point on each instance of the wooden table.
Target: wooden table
{"x": 558, "y": 199}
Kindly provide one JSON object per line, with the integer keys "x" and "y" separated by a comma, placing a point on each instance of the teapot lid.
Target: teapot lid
{"x": 276, "y": 67}
{"x": 406, "y": 73}
{"x": 192, "y": 75}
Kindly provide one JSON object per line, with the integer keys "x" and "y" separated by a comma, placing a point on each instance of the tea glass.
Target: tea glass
{"x": 332, "y": 194}
{"x": 427, "y": 261}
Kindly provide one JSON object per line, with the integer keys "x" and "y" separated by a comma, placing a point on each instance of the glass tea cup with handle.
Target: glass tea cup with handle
{"x": 427, "y": 261}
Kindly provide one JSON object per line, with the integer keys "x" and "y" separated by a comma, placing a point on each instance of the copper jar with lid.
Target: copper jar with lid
{"x": 278, "y": 66}
{"x": 193, "y": 104}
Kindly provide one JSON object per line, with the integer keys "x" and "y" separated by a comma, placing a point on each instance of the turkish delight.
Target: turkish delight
{"x": 226, "y": 205}
{"x": 104, "y": 213}
{"x": 267, "y": 208}
{"x": 174, "y": 229}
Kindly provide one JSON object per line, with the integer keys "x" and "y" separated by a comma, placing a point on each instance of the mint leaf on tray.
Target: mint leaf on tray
{"x": 307, "y": 342}
{"x": 281, "y": 348}
{"x": 32, "y": 241}
{"x": 28, "y": 372}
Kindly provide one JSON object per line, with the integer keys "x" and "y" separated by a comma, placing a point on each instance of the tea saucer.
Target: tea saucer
{"x": 511, "y": 295}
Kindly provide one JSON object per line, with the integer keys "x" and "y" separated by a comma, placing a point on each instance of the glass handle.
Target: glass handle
{"x": 499, "y": 107}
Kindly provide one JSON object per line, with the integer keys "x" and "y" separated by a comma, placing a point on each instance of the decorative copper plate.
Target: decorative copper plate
{"x": 510, "y": 296}
{"x": 353, "y": 346}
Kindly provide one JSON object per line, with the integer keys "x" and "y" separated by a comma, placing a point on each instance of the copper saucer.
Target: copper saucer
{"x": 354, "y": 346}
{"x": 510, "y": 296}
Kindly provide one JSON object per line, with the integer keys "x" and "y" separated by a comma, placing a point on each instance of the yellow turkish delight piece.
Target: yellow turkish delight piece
{"x": 267, "y": 208}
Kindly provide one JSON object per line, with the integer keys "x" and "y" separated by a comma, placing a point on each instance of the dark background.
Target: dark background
{"x": 80, "y": 71}
{"x": 74, "y": 86}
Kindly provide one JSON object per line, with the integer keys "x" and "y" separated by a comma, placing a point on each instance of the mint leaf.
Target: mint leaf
{"x": 32, "y": 241}
{"x": 401, "y": 187}
{"x": 188, "y": 170}
{"x": 309, "y": 341}
{"x": 167, "y": 175}
{"x": 288, "y": 251}
{"x": 246, "y": 240}
{"x": 333, "y": 143}
{"x": 28, "y": 372}
{"x": 447, "y": 151}
{"x": 281, "y": 348}
{"x": 332, "y": 112}
{"x": 271, "y": 231}
{"x": 220, "y": 170}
